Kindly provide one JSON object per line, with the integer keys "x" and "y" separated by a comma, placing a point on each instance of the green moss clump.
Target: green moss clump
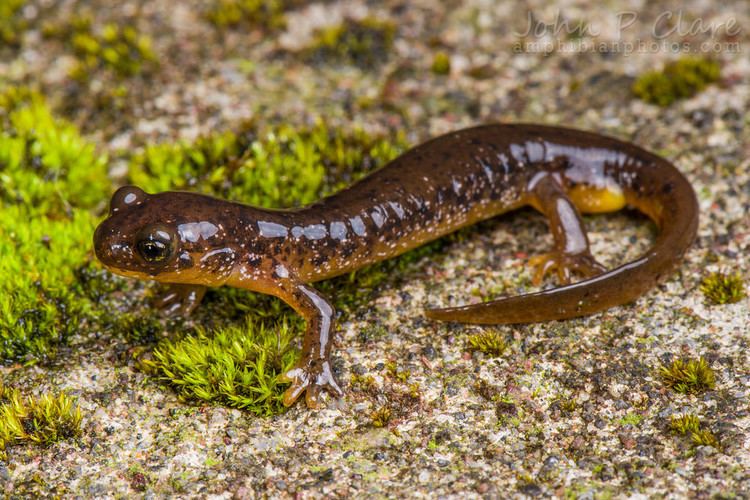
{"x": 50, "y": 179}
{"x": 119, "y": 49}
{"x": 678, "y": 79}
{"x": 705, "y": 437}
{"x": 398, "y": 374}
{"x": 363, "y": 42}
{"x": 380, "y": 416}
{"x": 688, "y": 376}
{"x": 262, "y": 13}
{"x": 689, "y": 425}
{"x": 12, "y": 23}
{"x": 44, "y": 421}
{"x": 722, "y": 288}
{"x": 47, "y": 167}
{"x": 631, "y": 419}
{"x": 233, "y": 366}
{"x": 490, "y": 342}
{"x": 685, "y": 424}
{"x": 441, "y": 63}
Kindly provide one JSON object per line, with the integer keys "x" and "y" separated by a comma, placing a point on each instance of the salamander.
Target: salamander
{"x": 192, "y": 241}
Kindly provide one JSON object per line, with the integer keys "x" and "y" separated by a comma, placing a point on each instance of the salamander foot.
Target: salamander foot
{"x": 564, "y": 264}
{"x": 310, "y": 376}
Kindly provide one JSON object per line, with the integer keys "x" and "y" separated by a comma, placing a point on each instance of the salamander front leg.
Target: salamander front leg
{"x": 180, "y": 299}
{"x": 571, "y": 253}
{"x": 313, "y": 373}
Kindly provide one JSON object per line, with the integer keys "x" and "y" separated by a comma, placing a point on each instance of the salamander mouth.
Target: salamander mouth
{"x": 127, "y": 273}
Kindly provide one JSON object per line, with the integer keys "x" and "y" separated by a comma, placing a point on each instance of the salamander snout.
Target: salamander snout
{"x": 111, "y": 246}
{"x": 138, "y": 236}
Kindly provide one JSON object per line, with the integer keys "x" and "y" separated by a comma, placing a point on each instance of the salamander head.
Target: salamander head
{"x": 171, "y": 237}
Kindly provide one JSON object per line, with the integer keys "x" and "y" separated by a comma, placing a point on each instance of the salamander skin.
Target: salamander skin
{"x": 192, "y": 241}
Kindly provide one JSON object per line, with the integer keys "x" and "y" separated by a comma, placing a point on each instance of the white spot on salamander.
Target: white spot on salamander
{"x": 377, "y": 216}
{"x": 358, "y": 226}
{"x": 456, "y": 186}
{"x": 194, "y": 231}
{"x": 281, "y": 271}
{"x": 338, "y": 230}
{"x": 272, "y": 230}
{"x": 397, "y": 208}
{"x": 229, "y": 254}
{"x": 315, "y": 231}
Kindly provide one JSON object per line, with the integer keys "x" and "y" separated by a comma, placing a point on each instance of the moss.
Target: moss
{"x": 364, "y": 42}
{"x": 441, "y": 63}
{"x": 51, "y": 179}
{"x": 366, "y": 383}
{"x": 689, "y": 425}
{"x": 47, "y": 167}
{"x": 44, "y": 420}
{"x": 394, "y": 372}
{"x": 490, "y": 342}
{"x": 255, "y": 13}
{"x": 678, "y": 79}
{"x": 688, "y": 376}
{"x": 685, "y": 424}
{"x": 568, "y": 404}
{"x": 704, "y": 437}
{"x": 631, "y": 419}
{"x": 12, "y": 23}
{"x": 723, "y": 288}
{"x": 119, "y": 49}
{"x": 380, "y": 416}
{"x": 232, "y": 366}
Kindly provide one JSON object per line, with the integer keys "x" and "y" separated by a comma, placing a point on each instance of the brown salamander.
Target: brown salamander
{"x": 192, "y": 241}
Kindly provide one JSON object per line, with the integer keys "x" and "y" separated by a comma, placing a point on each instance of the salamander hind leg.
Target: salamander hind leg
{"x": 571, "y": 254}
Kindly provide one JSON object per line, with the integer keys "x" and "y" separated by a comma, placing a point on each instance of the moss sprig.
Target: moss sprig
{"x": 362, "y": 42}
{"x": 44, "y": 420}
{"x": 12, "y": 23}
{"x": 689, "y": 376}
{"x": 490, "y": 342}
{"x": 255, "y": 13}
{"x": 690, "y": 425}
{"x": 381, "y": 416}
{"x": 441, "y": 63}
{"x": 679, "y": 79}
{"x": 723, "y": 288}
{"x": 119, "y": 49}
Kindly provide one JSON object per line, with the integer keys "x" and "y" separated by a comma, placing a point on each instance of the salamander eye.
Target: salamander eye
{"x": 155, "y": 245}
